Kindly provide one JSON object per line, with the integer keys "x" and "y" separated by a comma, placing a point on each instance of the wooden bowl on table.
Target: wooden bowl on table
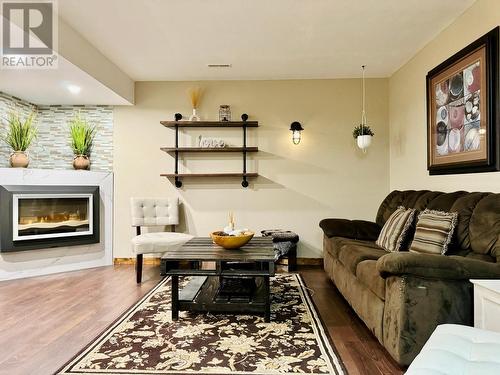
{"x": 231, "y": 242}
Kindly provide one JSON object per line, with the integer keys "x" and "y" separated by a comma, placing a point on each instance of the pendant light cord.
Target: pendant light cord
{"x": 363, "y": 113}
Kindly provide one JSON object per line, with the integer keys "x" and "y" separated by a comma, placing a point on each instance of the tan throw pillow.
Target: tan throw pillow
{"x": 395, "y": 229}
{"x": 433, "y": 232}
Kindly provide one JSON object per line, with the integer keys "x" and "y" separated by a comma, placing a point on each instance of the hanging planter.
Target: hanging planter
{"x": 364, "y": 141}
{"x": 362, "y": 133}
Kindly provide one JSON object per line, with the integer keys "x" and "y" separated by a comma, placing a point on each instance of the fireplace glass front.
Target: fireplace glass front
{"x": 51, "y": 216}
{"x": 36, "y": 217}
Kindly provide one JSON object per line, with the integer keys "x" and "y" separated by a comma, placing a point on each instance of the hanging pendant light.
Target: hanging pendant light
{"x": 363, "y": 133}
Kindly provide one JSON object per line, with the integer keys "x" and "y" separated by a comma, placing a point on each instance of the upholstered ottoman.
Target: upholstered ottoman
{"x": 285, "y": 245}
{"x": 458, "y": 350}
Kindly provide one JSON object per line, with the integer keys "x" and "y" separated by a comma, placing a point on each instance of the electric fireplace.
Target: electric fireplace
{"x": 34, "y": 217}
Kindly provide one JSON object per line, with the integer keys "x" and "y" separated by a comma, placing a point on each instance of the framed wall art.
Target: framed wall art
{"x": 463, "y": 110}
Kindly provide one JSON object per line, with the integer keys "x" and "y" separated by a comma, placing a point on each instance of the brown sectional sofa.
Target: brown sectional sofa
{"x": 403, "y": 296}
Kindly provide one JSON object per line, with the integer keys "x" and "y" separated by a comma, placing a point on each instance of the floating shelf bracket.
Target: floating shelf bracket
{"x": 178, "y": 182}
{"x": 244, "y": 183}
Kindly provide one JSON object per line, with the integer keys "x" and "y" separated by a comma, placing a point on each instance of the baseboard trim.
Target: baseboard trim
{"x": 156, "y": 261}
{"x": 310, "y": 261}
{"x": 130, "y": 261}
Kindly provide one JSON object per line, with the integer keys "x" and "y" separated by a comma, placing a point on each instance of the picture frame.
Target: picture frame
{"x": 463, "y": 113}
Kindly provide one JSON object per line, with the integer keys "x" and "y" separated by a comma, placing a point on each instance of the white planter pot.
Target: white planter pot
{"x": 364, "y": 141}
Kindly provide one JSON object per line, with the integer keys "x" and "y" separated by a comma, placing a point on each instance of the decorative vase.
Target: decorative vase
{"x": 19, "y": 159}
{"x": 194, "y": 116}
{"x": 81, "y": 162}
{"x": 364, "y": 141}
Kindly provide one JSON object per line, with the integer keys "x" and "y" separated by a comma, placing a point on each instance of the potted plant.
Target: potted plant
{"x": 82, "y": 139}
{"x": 363, "y": 136}
{"x": 20, "y": 134}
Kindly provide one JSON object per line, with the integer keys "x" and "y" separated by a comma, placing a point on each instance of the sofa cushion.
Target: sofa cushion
{"x": 437, "y": 267}
{"x": 333, "y": 245}
{"x": 355, "y": 229}
{"x": 433, "y": 232}
{"x": 367, "y": 274}
{"x": 465, "y": 206}
{"x": 484, "y": 227}
{"x": 445, "y": 201}
{"x": 483, "y": 257}
{"x": 159, "y": 242}
{"x": 353, "y": 252}
{"x": 395, "y": 229}
{"x": 408, "y": 198}
{"x": 368, "y": 306}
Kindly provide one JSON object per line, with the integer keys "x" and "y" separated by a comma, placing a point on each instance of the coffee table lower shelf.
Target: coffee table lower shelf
{"x": 201, "y": 294}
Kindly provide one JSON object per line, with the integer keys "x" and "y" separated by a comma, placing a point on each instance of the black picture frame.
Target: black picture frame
{"x": 490, "y": 43}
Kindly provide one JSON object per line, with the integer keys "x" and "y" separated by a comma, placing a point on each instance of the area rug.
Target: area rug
{"x": 145, "y": 340}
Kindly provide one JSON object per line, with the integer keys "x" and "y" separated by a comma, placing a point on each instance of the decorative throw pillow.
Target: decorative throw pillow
{"x": 395, "y": 229}
{"x": 433, "y": 232}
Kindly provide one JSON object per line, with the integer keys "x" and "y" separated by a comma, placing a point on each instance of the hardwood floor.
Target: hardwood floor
{"x": 46, "y": 320}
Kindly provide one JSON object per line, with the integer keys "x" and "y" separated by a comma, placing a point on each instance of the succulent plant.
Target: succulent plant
{"x": 362, "y": 130}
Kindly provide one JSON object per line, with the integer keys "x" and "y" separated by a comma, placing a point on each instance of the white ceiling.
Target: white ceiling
{"x": 66, "y": 84}
{"x": 262, "y": 39}
{"x": 57, "y": 86}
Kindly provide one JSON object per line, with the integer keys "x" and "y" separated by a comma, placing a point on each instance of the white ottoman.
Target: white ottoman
{"x": 458, "y": 350}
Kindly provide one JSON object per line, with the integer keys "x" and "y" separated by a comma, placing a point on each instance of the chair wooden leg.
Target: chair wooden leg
{"x": 138, "y": 268}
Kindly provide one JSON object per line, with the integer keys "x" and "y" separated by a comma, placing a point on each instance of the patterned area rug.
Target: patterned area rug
{"x": 146, "y": 341}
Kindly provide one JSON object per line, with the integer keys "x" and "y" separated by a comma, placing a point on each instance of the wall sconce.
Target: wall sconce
{"x": 296, "y": 128}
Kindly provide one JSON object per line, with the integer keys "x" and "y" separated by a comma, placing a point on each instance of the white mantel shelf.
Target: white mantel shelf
{"x": 15, "y": 265}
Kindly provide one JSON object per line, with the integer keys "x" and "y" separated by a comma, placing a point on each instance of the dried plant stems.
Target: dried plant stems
{"x": 195, "y": 96}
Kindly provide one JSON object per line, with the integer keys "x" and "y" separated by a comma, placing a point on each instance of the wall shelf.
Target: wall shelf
{"x": 175, "y": 175}
{"x": 209, "y": 149}
{"x": 176, "y": 151}
{"x": 210, "y": 124}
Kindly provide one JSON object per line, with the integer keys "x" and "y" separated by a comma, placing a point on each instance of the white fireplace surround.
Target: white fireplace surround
{"x": 38, "y": 262}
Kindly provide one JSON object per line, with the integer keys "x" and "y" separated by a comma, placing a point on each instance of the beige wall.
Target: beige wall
{"x": 407, "y": 98}
{"x": 325, "y": 176}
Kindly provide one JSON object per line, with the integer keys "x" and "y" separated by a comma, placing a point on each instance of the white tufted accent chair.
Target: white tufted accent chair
{"x": 149, "y": 212}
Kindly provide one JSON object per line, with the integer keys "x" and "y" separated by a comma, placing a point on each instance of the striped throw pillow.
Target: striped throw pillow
{"x": 395, "y": 229}
{"x": 433, "y": 232}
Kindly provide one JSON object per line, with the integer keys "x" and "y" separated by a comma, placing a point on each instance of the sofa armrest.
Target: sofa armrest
{"x": 436, "y": 266}
{"x": 355, "y": 229}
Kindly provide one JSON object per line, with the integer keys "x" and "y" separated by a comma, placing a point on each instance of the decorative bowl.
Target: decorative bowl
{"x": 231, "y": 242}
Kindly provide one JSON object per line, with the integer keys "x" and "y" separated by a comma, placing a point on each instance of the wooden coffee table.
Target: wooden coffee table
{"x": 201, "y": 294}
